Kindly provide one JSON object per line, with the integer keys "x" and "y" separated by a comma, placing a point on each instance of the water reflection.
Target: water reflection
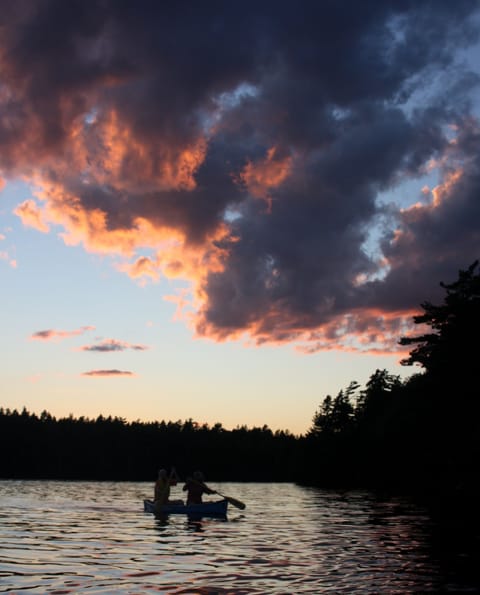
{"x": 94, "y": 538}
{"x": 195, "y": 523}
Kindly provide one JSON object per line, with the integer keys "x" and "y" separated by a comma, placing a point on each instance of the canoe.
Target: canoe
{"x": 218, "y": 508}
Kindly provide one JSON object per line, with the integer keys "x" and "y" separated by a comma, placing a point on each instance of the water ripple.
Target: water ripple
{"x": 89, "y": 538}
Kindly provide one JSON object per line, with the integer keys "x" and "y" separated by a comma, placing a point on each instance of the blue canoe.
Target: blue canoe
{"x": 218, "y": 508}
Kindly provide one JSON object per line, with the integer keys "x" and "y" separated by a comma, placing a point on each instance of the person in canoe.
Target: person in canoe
{"x": 162, "y": 486}
{"x": 195, "y": 487}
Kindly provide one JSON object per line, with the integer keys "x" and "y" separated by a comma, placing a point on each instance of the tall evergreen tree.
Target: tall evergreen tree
{"x": 449, "y": 350}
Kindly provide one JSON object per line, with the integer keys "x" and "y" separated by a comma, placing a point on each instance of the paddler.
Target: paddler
{"x": 162, "y": 486}
{"x": 195, "y": 487}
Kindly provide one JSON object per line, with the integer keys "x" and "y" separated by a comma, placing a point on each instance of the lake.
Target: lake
{"x": 63, "y": 537}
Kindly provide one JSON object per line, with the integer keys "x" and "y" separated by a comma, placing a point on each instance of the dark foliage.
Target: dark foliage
{"x": 112, "y": 449}
{"x": 448, "y": 351}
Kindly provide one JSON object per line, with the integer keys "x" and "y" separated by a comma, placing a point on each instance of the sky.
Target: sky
{"x": 225, "y": 211}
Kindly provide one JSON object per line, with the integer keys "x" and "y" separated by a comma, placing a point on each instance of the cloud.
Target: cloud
{"x": 142, "y": 267}
{"x": 31, "y": 215}
{"x": 11, "y": 261}
{"x": 265, "y": 174}
{"x": 111, "y": 345}
{"x": 244, "y": 148}
{"x": 108, "y": 373}
{"x": 5, "y": 256}
{"x": 58, "y": 335}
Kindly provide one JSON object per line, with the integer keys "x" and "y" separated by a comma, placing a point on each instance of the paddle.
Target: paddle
{"x": 232, "y": 501}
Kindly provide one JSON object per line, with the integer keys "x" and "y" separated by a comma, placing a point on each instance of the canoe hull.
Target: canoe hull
{"x": 218, "y": 508}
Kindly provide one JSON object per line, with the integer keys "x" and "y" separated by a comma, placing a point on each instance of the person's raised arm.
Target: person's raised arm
{"x": 173, "y": 478}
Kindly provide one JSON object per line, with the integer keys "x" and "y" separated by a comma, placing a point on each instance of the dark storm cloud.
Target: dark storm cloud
{"x": 434, "y": 240}
{"x": 258, "y": 135}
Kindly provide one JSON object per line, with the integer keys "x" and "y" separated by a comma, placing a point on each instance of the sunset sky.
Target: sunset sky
{"x": 225, "y": 211}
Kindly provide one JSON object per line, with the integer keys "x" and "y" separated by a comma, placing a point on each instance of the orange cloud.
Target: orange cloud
{"x": 114, "y": 153}
{"x": 89, "y": 227}
{"x": 265, "y": 174}
{"x": 369, "y": 331}
{"x": 141, "y": 268}
{"x": 173, "y": 255}
{"x": 179, "y": 260}
{"x": 105, "y": 152}
{"x": 32, "y": 216}
{"x": 132, "y": 149}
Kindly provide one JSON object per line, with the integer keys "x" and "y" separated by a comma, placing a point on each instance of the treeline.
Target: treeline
{"x": 422, "y": 433}
{"x": 419, "y": 434}
{"x": 106, "y": 448}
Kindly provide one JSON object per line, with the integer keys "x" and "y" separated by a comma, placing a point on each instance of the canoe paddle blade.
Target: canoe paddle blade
{"x": 233, "y": 501}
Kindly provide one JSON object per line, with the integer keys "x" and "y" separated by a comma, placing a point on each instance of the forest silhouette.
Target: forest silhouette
{"x": 420, "y": 433}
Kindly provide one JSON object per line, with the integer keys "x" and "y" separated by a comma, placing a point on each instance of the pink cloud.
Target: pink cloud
{"x": 11, "y": 261}
{"x": 57, "y": 335}
{"x": 108, "y": 373}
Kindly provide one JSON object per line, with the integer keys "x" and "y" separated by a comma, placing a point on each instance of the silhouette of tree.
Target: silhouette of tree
{"x": 421, "y": 433}
{"x": 375, "y": 398}
{"x": 322, "y": 419}
{"x": 448, "y": 351}
{"x": 335, "y": 415}
{"x": 110, "y": 448}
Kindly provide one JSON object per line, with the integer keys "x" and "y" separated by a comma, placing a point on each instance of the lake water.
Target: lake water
{"x": 92, "y": 537}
